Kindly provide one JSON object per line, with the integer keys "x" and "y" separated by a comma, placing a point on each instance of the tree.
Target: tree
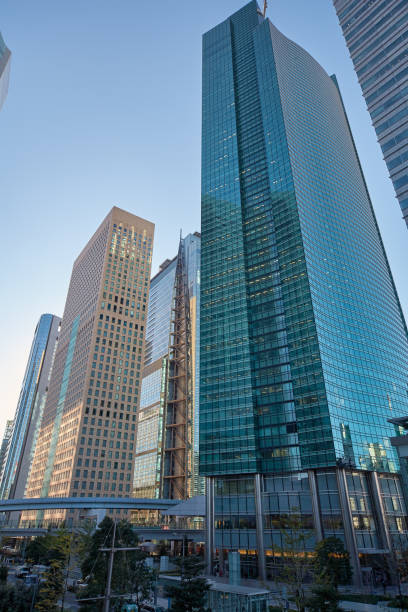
{"x": 295, "y": 564}
{"x": 402, "y": 564}
{"x": 3, "y": 573}
{"x": 190, "y": 594}
{"x": 324, "y": 599}
{"x": 141, "y": 578}
{"x": 51, "y": 590}
{"x": 83, "y": 540}
{"x": 52, "y": 549}
{"x": 37, "y": 549}
{"x": 15, "y": 598}
{"x": 332, "y": 562}
{"x": 396, "y": 568}
{"x": 130, "y": 574}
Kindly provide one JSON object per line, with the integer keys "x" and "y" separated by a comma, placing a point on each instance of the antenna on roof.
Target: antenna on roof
{"x": 263, "y": 13}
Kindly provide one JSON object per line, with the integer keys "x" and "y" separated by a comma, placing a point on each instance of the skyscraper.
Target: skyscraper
{"x": 174, "y": 295}
{"x": 30, "y": 407}
{"x": 4, "y": 445}
{"x": 376, "y": 35}
{"x": 5, "y": 61}
{"x": 304, "y": 348}
{"x": 86, "y": 442}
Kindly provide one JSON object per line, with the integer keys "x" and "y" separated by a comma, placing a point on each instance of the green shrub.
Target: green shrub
{"x": 324, "y": 598}
{"x": 3, "y": 573}
{"x": 399, "y": 602}
{"x": 15, "y": 598}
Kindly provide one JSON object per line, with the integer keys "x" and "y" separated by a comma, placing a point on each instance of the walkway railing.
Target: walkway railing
{"x": 184, "y": 524}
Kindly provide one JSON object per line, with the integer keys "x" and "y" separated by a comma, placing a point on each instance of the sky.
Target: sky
{"x": 104, "y": 109}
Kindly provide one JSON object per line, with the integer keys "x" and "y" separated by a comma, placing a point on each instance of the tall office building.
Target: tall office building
{"x": 30, "y": 407}
{"x": 4, "y": 445}
{"x": 166, "y": 463}
{"x": 376, "y": 35}
{"x": 304, "y": 348}
{"x": 86, "y": 442}
{"x": 5, "y": 61}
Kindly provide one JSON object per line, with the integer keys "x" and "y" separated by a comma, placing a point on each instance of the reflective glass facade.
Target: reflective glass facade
{"x": 376, "y": 34}
{"x": 158, "y": 323}
{"x": 28, "y": 413}
{"x": 5, "y": 444}
{"x": 367, "y": 513}
{"x": 192, "y": 253}
{"x": 5, "y": 60}
{"x": 303, "y": 344}
{"x": 304, "y": 349}
{"x": 149, "y": 443}
{"x": 146, "y": 481}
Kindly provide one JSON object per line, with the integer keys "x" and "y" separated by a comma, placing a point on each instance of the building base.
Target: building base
{"x": 251, "y": 514}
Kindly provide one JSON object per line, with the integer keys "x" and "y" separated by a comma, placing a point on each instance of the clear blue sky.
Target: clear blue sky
{"x": 104, "y": 108}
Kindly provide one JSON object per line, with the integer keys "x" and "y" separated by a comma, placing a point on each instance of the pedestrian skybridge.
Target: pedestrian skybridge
{"x": 85, "y": 503}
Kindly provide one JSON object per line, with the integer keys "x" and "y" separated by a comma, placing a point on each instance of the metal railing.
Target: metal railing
{"x": 182, "y": 523}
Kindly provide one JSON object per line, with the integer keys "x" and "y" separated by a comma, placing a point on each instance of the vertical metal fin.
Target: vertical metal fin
{"x": 176, "y": 450}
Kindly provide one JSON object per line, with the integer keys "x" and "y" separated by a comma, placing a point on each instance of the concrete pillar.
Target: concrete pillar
{"x": 259, "y": 528}
{"x": 315, "y": 505}
{"x": 349, "y": 534}
{"x": 209, "y": 525}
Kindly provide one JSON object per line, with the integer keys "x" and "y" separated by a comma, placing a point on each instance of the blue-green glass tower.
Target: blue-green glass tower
{"x": 30, "y": 407}
{"x": 5, "y": 60}
{"x": 304, "y": 348}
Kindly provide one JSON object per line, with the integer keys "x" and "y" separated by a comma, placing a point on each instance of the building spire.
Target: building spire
{"x": 265, "y": 6}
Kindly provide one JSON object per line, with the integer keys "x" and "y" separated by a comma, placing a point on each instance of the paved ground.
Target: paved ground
{"x": 359, "y": 607}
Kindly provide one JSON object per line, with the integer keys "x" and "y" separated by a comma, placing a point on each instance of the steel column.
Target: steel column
{"x": 350, "y": 536}
{"x": 259, "y": 528}
{"x": 379, "y": 508}
{"x": 315, "y": 505}
{"x": 209, "y": 525}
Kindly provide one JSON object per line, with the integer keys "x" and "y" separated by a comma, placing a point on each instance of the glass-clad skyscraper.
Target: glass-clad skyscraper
{"x": 173, "y": 320}
{"x": 376, "y": 35}
{"x": 5, "y": 60}
{"x": 30, "y": 408}
{"x": 4, "y": 444}
{"x": 304, "y": 348}
{"x": 148, "y": 449}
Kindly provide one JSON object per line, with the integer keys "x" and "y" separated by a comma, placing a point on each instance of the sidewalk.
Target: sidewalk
{"x": 361, "y": 607}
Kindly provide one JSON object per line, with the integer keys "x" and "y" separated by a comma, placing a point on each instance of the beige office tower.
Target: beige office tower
{"x": 86, "y": 443}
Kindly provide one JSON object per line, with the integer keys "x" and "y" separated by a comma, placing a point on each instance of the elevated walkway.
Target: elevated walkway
{"x": 85, "y": 503}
